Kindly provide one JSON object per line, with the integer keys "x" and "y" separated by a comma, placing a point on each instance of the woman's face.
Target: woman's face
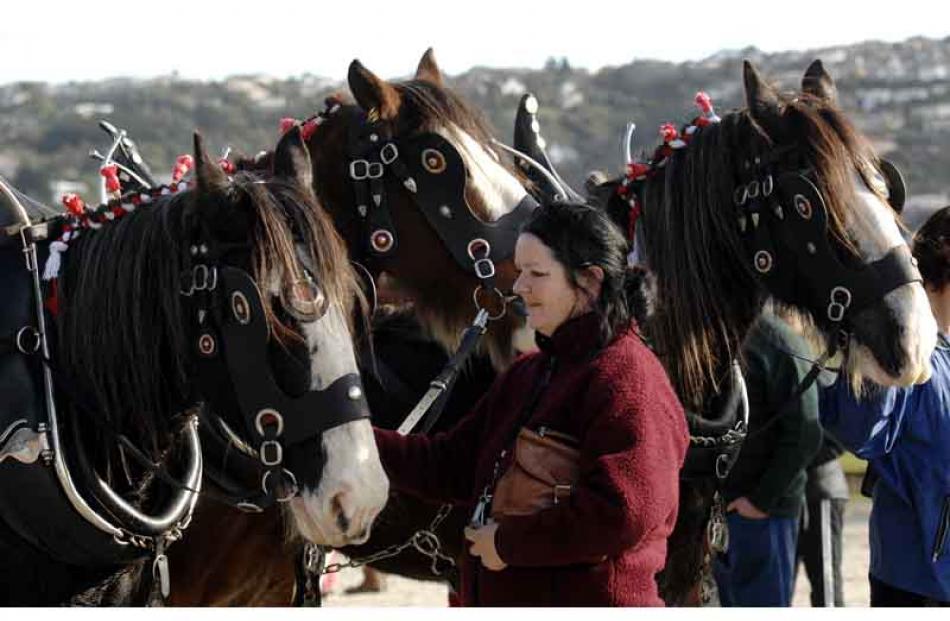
{"x": 542, "y": 283}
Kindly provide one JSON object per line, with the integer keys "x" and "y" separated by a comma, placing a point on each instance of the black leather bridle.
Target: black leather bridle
{"x": 783, "y": 223}
{"x": 230, "y": 334}
{"x": 431, "y": 169}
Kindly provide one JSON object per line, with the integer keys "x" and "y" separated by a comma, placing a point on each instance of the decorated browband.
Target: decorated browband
{"x": 672, "y": 140}
{"x": 79, "y": 217}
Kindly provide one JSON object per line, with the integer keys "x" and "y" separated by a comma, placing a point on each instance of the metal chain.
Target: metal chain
{"x": 425, "y": 541}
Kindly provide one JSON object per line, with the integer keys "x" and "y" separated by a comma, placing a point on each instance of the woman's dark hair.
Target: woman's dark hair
{"x": 581, "y": 236}
{"x": 932, "y": 249}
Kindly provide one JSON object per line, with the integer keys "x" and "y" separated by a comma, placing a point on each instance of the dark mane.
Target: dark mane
{"x": 692, "y": 236}
{"x": 122, "y": 338}
{"x": 279, "y": 204}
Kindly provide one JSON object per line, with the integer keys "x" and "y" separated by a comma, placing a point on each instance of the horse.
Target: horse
{"x": 224, "y": 299}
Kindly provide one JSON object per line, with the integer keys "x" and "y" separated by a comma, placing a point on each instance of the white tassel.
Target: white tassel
{"x": 51, "y": 269}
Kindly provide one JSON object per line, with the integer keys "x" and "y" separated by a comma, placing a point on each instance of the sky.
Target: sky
{"x": 47, "y": 41}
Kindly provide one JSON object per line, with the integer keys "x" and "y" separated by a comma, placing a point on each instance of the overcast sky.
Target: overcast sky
{"x": 80, "y": 40}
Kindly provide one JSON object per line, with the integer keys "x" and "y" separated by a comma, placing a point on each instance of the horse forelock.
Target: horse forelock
{"x": 277, "y": 205}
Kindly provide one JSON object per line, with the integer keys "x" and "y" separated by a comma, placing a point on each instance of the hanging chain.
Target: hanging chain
{"x": 425, "y": 541}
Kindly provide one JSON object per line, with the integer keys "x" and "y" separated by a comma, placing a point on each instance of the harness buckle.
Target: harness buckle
{"x": 559, "y": 489}
{"x": 741, "y": 195}
{"x": 389, "y": 153}
{"x": 359, "y": 170}
{"x": 375, "y": 170}
{"x": 484, "y": 268}
{"x": 203, "y": 278}
{"x": 840, "y": 301}
{"x": 272, "y": 453}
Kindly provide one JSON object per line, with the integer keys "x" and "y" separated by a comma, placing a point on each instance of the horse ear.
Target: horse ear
{"x": 819, "y": 83}
{"x": 209, "y": 174}
{"x": 292, "y": 160}
{"x": 761, "y": 99}
{"x": 428, "y": 69}
{"x": 373, "y": 93}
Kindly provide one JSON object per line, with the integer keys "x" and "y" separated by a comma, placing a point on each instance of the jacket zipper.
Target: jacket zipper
{"x": 943, "y": 531}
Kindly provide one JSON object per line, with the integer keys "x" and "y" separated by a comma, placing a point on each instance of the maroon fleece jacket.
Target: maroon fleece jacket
{"x": 619, "y": 403}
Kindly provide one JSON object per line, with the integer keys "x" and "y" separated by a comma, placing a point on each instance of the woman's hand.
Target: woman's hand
{"x": 483, "y": 545}
{"x": 744, "y": 507}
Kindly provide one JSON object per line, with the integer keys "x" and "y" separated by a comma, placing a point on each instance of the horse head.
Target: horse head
{"x": 782, "y": 198}
{"x": 410, "y": 175}
{"x": 237, "y": 295}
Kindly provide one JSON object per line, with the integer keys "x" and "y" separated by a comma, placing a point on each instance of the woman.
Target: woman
{"x": 904, "y": 433}
{"x": 603, "y": 538}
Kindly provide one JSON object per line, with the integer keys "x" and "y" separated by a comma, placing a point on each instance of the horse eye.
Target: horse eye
{"x": 880, "y": 184}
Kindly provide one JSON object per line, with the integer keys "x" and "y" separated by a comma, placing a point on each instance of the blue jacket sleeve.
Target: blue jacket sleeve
{"x": 869, "y": 424}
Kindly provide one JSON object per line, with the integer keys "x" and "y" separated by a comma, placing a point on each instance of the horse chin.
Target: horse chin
{"x": 902, "y": 359}
{"x": 353, "y": 489}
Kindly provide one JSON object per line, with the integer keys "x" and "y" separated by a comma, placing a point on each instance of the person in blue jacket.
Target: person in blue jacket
{"x": 904, "y": 433}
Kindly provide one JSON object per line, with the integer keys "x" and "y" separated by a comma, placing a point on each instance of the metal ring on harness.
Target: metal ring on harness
{"x": 289, "y": 477}
{"x": 501, "y": 298}
{"x": 474, "y": 245}
{"x": 722, "y": 466}
{"x": 268, "y": 417}
{"x": 389, "y": 153}
{"x": 33, "y": 334}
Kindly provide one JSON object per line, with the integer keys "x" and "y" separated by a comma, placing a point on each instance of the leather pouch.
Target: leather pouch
{"x": 542, "y": 473}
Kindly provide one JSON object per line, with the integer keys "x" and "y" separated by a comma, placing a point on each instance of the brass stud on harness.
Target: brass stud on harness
{"x": 763, "y": 262}
{"x": 803, "y": 206}
{"x": 240, "y": 308}
{"x": 433, "y": 161}
{"x": 381, "y": 240}
{"x": 354, "y": 393}
{"x": 207, "y": 345}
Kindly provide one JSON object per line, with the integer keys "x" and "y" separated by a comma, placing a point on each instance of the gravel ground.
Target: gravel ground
{"x": 404, "y": 592}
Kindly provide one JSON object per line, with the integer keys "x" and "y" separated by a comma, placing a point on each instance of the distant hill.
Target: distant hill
{"x": 899, "y": 94}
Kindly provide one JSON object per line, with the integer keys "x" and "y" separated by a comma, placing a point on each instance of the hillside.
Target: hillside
{"x": 899, "y": 94}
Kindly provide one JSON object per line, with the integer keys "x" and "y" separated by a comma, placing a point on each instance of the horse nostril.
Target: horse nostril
{"x": 342, "y": 521}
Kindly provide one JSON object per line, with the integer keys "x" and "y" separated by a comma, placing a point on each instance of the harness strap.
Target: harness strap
{"x": 444, "y": 381}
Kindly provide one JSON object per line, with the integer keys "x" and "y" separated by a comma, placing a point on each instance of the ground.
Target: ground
{"x": 404, "y": 592}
